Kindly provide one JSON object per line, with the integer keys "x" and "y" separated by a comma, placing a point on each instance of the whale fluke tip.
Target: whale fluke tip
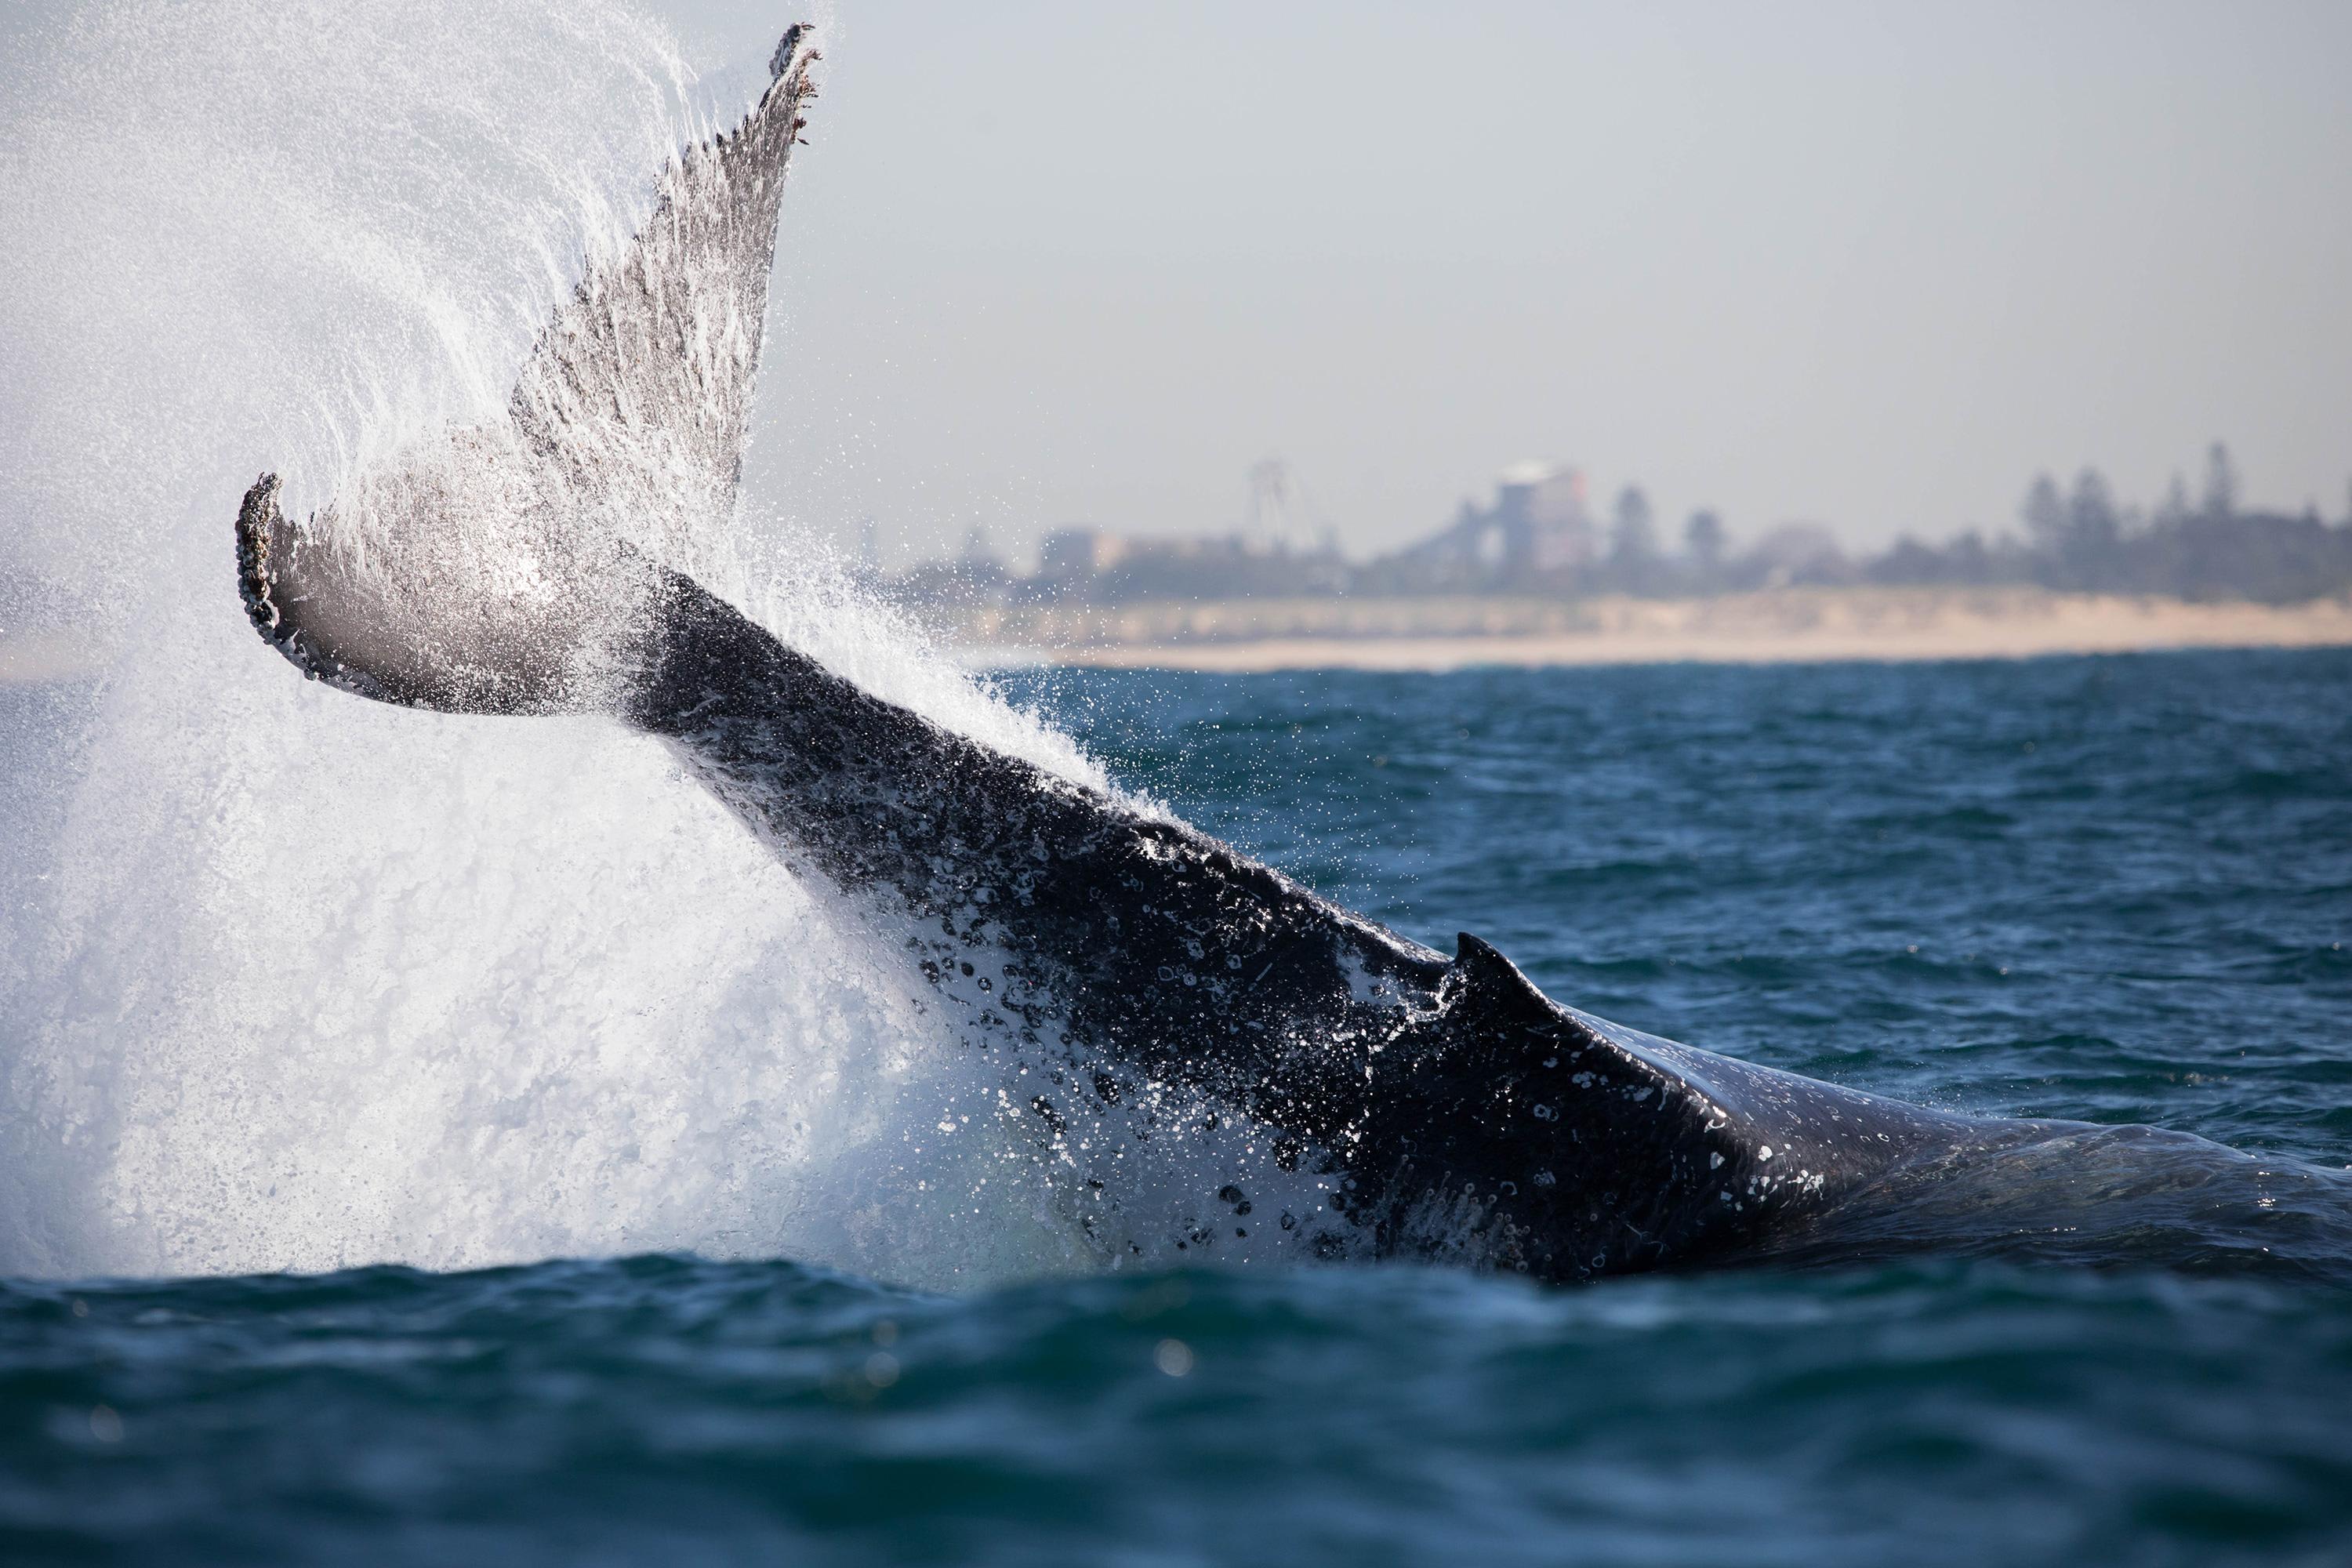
{"x": 266, "y": 569}
{"x": 256, "y": 520}
{"x": 780, "y": 62}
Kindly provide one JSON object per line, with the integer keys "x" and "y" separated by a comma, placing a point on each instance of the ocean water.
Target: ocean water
{"x": 2115, "y": 888}
{"x": 429, "y": 1140}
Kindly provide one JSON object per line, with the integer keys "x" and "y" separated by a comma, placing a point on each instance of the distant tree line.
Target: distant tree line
{"x": 2080, "y": 539}
{"x": 2076, "y": 539}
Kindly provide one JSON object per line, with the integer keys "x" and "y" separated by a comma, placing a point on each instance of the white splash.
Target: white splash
{"x": 298, "y": 981}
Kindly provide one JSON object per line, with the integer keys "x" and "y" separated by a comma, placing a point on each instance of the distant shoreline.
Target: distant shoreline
{"x": 1773, "y": 626}
{"x": 1789, "y": 626}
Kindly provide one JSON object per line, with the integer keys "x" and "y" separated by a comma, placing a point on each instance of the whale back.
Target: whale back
{"x": 1541, "y": 1139}
{"x": 1447, "y": 1109}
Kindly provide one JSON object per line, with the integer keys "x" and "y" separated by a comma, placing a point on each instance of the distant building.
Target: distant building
{"x": 1097, "y": 566}
{"x": 1213, "y": 567}
{"x": 980, "y": 556}
{"x": 1071, "y": 555}
{"x": 1798, "y": 555}
{"x": 1540, "y": 512}
{"x": 1539, "y": 529}
{"x": 1537, "y": 537}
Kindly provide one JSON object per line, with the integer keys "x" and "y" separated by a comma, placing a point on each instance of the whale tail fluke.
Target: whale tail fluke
{"x": 504, "y": 567}
{"x": 443, "y": 621}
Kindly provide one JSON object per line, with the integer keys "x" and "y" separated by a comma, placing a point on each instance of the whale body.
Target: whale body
{"x": 1301, "y": 1080}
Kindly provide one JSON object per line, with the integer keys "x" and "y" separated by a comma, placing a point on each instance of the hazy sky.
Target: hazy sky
{"x": 1866, "y": 265}
{"x": 1869, "y": 266}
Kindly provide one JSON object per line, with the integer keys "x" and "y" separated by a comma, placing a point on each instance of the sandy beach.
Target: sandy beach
{"x": 1784, "y": 627}
{"x": 1787, "y": 625}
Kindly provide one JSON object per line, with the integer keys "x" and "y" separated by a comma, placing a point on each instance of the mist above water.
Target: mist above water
{"x": 292, "y": 980}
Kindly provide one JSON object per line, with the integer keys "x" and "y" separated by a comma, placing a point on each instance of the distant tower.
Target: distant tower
{"x": 1271, "y": 489}
{"x": 1540, "y": 512}
{"x": 1703, "y": 537}
{"x": 2220, "y": 482}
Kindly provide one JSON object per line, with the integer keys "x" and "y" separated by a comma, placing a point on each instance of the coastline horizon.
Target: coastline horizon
{"x": 1784, "y": 626}
{"x": 1789, "y": 626}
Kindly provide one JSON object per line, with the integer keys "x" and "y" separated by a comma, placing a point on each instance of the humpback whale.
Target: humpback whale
{"x": 1300, "y": 1080}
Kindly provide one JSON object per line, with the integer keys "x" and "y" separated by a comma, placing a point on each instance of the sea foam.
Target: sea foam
{"x": 300, "y": 981}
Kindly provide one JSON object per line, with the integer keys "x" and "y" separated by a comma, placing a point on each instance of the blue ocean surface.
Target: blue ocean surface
{"x": 2112, "y": 888}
